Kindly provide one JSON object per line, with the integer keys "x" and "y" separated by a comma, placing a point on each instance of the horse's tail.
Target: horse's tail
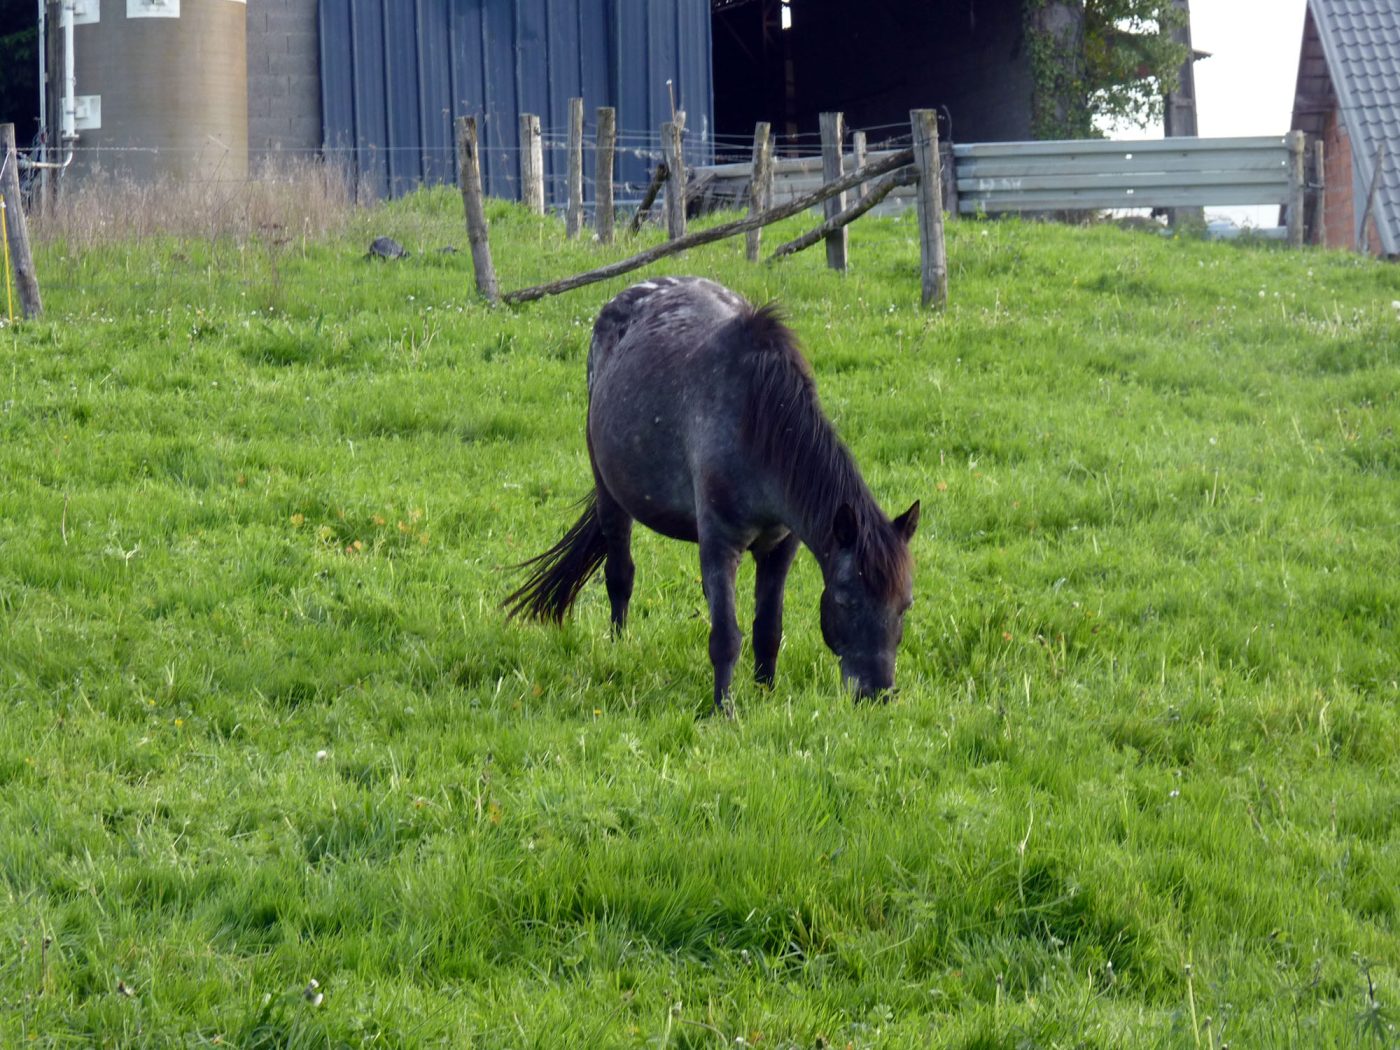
{"x": 559, "y": 573}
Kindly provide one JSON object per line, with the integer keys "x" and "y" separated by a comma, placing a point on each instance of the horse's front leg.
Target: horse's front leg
{"x": 719, "y": 565}
{"x": 770, "y": 580}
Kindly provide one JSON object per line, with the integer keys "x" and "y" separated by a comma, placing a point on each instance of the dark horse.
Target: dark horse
{"x": 704, "y": 425}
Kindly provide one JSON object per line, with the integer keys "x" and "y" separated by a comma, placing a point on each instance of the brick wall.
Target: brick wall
{"x": 1339, "y": 216}
{"x": 284, "y": 79}
{"x": 1345, "y": 200}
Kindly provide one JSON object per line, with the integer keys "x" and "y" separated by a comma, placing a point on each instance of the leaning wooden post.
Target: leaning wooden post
{"x": 607, "y": 146}
{"x": 1319, "y": 188}
{"x": 710, "y": 234}
{"x": 531, "y": 163}
{"x": 1297, "y": 187}
{"x": 469, "y": 168}
{"x": 658, "y": 179}
{"x": 16, "y": 229}
{"x": 1377, "y": 167}
{"x": 675, "y": 180}
{"x": 760, "y": 183}
{"x": 932, "y": 251}
{"x": 833, "y": 133}
{"x": 858, "y": 159}
{"x": 573, "y": 214}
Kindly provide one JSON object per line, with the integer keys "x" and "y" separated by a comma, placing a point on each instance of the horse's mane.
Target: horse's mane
{"x": 784, "y": 424}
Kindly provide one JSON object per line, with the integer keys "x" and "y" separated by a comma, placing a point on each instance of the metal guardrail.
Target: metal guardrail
{"x": 1092, "y": 174}
{"x": 1166, "y": 173}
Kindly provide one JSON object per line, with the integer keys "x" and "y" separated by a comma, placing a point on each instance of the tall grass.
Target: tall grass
{"x": 264, "y": 722}
{"x": 285, "y": 201}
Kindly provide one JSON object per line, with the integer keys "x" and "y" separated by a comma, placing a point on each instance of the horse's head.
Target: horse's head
{"x": 869, "y": 587}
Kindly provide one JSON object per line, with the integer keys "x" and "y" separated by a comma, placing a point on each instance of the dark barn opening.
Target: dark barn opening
{"x": 787, "y": 61}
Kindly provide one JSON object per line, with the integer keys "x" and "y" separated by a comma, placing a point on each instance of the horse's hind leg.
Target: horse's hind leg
{"x": 770, "y": 580}
{"x": 719, "y": 565}
{"x": 618, "y": 569}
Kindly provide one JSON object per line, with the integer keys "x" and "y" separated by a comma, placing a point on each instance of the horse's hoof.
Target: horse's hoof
{"x": 721, "y": 709}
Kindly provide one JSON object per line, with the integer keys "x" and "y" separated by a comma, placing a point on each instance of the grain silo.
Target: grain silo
{"x": 158, "y": 87}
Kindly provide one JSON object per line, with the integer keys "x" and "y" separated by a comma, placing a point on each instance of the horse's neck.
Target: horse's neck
{"x": 815, "y": 495}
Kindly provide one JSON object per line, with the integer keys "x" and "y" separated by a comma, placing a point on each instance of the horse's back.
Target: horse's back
{"x": 659, "y": 317}
{"x": 667, "y": 388}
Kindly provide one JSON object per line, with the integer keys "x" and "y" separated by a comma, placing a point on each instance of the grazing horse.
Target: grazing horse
{"x": 704, "y": 425}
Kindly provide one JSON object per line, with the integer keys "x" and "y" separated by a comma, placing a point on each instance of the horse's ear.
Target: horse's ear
{"x": 844, "y": 527}
{"x": 908, "y": 522}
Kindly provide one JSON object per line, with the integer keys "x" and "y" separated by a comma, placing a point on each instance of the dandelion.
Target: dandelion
{"x": 322, "y": 755}
{"x": 312, "y": 993}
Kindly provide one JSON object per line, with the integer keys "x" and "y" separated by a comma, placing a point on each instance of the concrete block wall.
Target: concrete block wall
{"x": 284, "y": 80}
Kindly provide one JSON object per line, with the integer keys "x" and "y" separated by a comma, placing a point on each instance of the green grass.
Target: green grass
{"x": 263, "y": 721}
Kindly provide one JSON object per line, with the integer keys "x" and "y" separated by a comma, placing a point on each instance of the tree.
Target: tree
{"x": 1090, "y": 59}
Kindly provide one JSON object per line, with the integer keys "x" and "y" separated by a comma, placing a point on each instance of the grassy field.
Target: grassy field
{"x": 263, "y": 723}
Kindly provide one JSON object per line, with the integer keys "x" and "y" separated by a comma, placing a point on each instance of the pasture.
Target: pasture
{"x": 263, "y": 723}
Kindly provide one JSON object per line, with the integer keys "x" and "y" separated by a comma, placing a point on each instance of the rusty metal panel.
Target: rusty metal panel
{"x": 396, "y": 73}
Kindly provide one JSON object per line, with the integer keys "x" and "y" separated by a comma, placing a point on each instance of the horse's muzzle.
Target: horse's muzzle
{"x": 868, "y": 683}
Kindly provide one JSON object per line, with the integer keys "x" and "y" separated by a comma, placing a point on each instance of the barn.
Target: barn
{"x": 375, "y": 84}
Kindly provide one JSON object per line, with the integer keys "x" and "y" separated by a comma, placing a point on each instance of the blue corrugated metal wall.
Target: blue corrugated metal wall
{"x": 396, "y": 73}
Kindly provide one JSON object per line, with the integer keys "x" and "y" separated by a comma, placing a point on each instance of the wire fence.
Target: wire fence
{"x": 111, "y": 192}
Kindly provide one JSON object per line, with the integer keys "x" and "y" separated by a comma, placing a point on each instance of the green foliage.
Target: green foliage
{"x": 261, "y": 721}
{"x": 1117, "y": 64}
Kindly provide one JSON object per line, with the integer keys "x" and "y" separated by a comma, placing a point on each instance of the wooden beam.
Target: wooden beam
{"x": 573, "y": 214}
{"x": 1297, "y": 187}
{"x": 658, "y": 179}
{"x": 871, "y": 195}
{"x": 1376, "y": 168}
{"x": 469, "y": 175}
{"x": 760, "y": 183}
{"x": 714, "y": 233}
{"x": 858, "y": 157}
{"x": 603, "y": 216}
{"x": 675, "y": 179}
{"x": 16, "y": 228}
{"x": 833, "y": 129}
{"x": 1319, "y": 193}
{"x": 933, "y": 253}
{"x": 531, "y": 163}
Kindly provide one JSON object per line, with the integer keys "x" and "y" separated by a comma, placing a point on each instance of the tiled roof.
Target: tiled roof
{"x": 1361, "y": 42}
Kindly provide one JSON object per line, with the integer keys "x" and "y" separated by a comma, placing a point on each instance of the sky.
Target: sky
{"x": 1246, "y": 85}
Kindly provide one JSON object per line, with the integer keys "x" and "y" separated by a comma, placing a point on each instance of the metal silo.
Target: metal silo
{"x": 161, "y": 86}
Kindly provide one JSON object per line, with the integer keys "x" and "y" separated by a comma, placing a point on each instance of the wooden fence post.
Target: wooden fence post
{"x": 833, "y": 132}
{"x": 760, "y": 183}
{"x": 603, "y": 216}
{"x": 1319, "y": 193}
{"x": 658, "y": 179}
{"x": 531, "y": 163}
{"x": 469, "y": 167}
{"x": 710, "y": 234}
{"x": 1377, "y": 167}
{"x": 858, "y": 159}
{"x": 675, "y": 180}
{"x": 16, "y": 228}
{"x": 933, "y": 252}
{"x": 874, "y": 193}
{"x": 573, "y": 214}
{"x": 1297, "y": 187}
